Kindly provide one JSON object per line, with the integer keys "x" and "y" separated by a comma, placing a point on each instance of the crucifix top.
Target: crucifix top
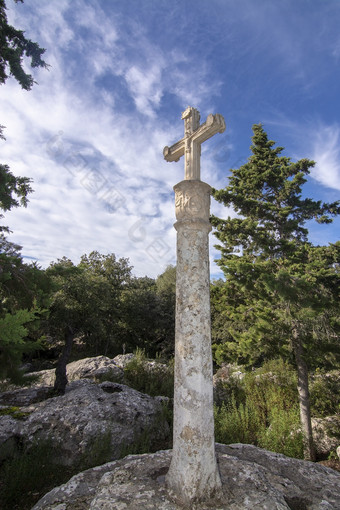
{"x": 194, "y": 135}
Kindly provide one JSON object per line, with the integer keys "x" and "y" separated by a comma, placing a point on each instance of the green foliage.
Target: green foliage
{"x": 14, "y": 412}
{"x": 158, "y": 381}
{"x": 281, "y": 293}
{"x": 284, "y": 434}
{"x": 29, "y": 474}
{"x": 109, "y": 309}
{"x": 325, "y": 394}
{"x": 88, "y": 299}
{"x": 13, "y": 330}
{"x": 23, "y": 306}
{"x": 236, "y": 423}
{"x": 13, "y": 190}
{"x": 262, "y": 411}
{"x": 266, "y": 192}
{"x": 14, "y": 47}
{"x": 149, "y": 314}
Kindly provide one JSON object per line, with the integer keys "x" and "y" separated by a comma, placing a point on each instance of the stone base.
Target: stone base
{"x": 252, "y": 479}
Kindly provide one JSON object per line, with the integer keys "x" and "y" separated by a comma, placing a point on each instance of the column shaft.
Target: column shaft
{"x": 193, "y": 474}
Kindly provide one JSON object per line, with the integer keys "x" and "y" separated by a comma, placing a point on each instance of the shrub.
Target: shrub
{"x": 236, "y": 423}
{"x": 263, "y": 411}
{"x": 155, "y": 381}
{"x": 29, "y": 474}
{"x": 325, "y": 394}
{"x": 283, "y": 434}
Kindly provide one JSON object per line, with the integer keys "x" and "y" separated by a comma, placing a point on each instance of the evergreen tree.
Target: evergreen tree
{"x": 275, "y": 296}
{"x": 14, "y": 46}
{"x": 13, "y": 190}
{"x": 19, "y": 282}
{"x": 24, "y": 291}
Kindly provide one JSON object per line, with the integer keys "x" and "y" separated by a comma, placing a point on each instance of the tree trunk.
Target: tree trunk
{"x": 60, "y": 371}
{"x": 304, "y": 401}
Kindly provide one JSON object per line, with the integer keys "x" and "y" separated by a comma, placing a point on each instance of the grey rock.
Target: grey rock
{"x": 94, "y": 368}
{"x": 8, "y": 439}
{"x": 252, "y": 478}
{"x": 85, "y": 414}
{"x": 326, "y": 434}
{"x": 123, "y": 359}
{"x": 22, "y": 397}
{"x": 87, "y": 368}
{"x": 153, "y": 367}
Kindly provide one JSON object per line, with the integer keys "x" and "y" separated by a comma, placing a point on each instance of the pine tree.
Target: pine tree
{"x": 275, "y": 296}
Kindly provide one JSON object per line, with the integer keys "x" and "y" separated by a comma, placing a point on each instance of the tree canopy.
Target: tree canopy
{"x": 14, "y": 47}
{"x": 280, "y": 296}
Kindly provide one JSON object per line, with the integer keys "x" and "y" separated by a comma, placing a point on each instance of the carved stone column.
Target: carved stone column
{"x": 193, "y": 474}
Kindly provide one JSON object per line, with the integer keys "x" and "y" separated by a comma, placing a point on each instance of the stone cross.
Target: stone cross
{"x": 193, "y": 475}
{"x": 194, "y": 135}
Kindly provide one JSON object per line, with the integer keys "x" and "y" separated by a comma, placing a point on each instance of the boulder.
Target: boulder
{"x": 123, "y": 359}
{"x": 225, "y": 380}
{"x": 8, "y": 441}
{"x": 95, "y": 368}
{"x": 22, "y": 397}
{"x": 151, "y": 366}
{"x": 326, "y": 434}
{"x": 89, "y": 414}
{"x": 252, "y": 478}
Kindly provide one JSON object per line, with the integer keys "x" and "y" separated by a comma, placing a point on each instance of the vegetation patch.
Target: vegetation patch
{"x": 29, "y": 474}
{"x": 154, "y": 381}
{"x": 325, "y": 394}
{"x": 262, "y": 409}
{"x": 14, "y": 412}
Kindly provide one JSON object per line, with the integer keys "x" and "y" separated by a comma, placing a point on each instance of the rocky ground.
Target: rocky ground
{"x": 114, "y": 416}
{"x": 87, "y": 412}
{"x": 252, "y": 479}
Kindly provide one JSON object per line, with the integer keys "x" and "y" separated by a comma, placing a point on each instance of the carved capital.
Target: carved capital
{"x": 192, "y": 200}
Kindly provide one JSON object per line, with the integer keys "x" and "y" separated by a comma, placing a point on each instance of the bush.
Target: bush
{"x": 31, "y": 471}
{"x": 325, "y": 394}
{"x": 155, "y": 381}
{"x": 236, "y": 423}
{"x": 28, "y": 475}
{"x": 263, "y": 411}
{"x": 283, "y": 434}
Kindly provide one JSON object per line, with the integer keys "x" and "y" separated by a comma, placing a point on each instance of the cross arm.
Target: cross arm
{"x": 174, "y": 152}
{"x": 214, "y": 124}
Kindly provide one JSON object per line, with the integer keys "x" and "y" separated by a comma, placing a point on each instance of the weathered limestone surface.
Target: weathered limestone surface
{"x": 194, "y": 135}
{"x": 87, "y": 368}
{"x": 253, "y": 479}
{"x": 193, "y": 472}
{"x": 326, "y": 435}
{"x": 86, "y": 412}
{"x": 193, "y": 475}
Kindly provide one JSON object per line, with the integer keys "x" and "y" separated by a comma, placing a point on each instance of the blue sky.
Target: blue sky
{"x": 91, "y": 134}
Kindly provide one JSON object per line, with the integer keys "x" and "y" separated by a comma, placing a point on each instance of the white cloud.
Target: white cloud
{"x": 83, "y": 152}
{"x": 326, "y": 153}
{"x": 144, "y": 86}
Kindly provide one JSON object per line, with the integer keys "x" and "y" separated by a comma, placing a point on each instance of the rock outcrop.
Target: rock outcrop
{"x": 88, "y": 413}
{"x": 326, "y": 434}
{"x": 252, "y": 479}
{"x": 95, "y": 368}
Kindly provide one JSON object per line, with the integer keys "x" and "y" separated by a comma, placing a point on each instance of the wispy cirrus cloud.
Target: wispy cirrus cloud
{"x": 91, "y": 134}
{"x": 326, "y": 153}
